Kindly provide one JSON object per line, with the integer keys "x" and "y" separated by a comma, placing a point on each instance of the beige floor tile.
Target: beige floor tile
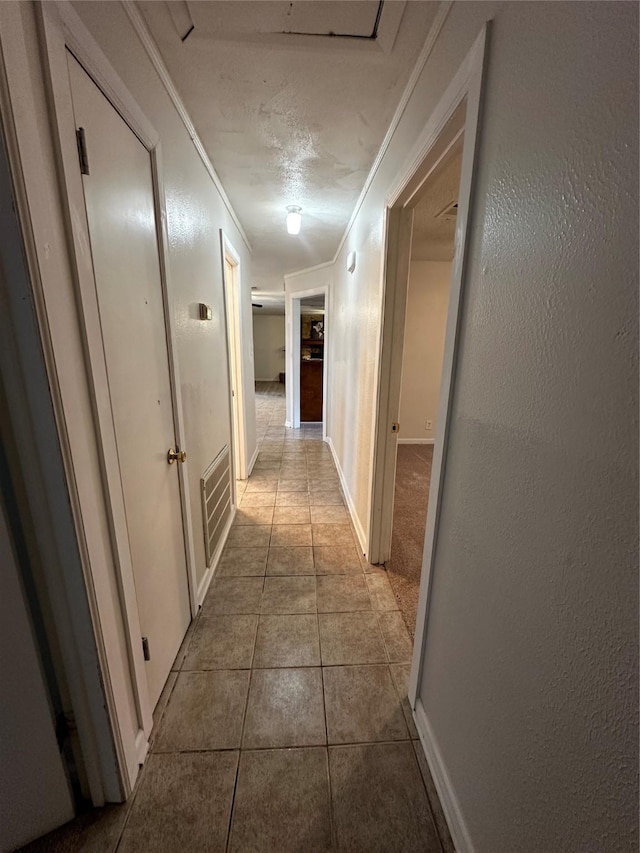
{"x": 265, "y": 475}
{"x": 163, "y": 701}
{"x": 328, "y": 498}
{"x": 332, "y": 534}
{"x": 289, "y": 595}
{"x": 282, "y": 802}
{"x": 233, "y": 595}
{"x": 249, "y": 536}
{"x": 291, "y": 515}
{"x": 292, "y": 499}
{"x": 382, "y": 597}
{"x": 400, "y": 675}
{"x": 350, "y": 638}
{"x": 290, "y": 561}
{"x": 341, "y": 560}
{"x": 284, "y": 535}
{"x": 434, "y": 801}
{"x": 222, "y": 642}
{"x": 184, "y": 803}
{"x": 329, "y": 515}
{"x": 290, "y": 484}
{"x": 254, "y": 515}
{"x": 265, "y": 465}
{"x": 379, "y": 801}
{"x": 290, "y": 640}
{"x": 242, "y": 562}
{"x": 362, "y": 705}
{"x": 396, "y": 637}
{"x": 258, "y": 499}
{"x": 260, "y": 486}
{"x": 184, "y": 647}
{"x": 285, "y": 708}
{"x": 342, "y": 593}
{"x": 205, "y": 711}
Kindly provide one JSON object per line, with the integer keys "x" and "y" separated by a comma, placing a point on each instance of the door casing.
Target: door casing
{"x": 292, "y": 353}
{"x": 455, "y": 120}
{"x": 62, "y": 30}
{"x": 231, "y": 276}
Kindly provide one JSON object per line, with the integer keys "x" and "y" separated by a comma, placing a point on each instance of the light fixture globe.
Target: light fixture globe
{"x": 294, "y": 218}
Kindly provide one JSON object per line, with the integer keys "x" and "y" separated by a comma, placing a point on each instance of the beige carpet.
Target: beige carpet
{"x": 413, "y": 477}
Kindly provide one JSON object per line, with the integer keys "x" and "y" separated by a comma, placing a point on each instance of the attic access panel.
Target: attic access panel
{"x": 357, "y": 19}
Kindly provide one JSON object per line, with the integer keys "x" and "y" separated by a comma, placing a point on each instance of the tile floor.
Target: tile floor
{"x": 284, "y": 725}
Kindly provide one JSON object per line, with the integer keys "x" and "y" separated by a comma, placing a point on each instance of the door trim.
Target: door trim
{"x": 456, "y": 115}
{"x": 232, "y": 291}
{"x": 455, "y": 118}
{"x": 292, "y": 354}
{"x": 62, "y": 30}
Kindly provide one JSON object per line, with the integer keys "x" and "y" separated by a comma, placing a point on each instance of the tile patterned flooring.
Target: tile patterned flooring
{"x": 284, "y": 725}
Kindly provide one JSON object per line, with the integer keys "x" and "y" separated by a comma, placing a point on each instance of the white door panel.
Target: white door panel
{"x": 119, "y": 200}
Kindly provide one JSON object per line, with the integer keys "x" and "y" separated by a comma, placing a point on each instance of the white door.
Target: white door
{"x": 119, "y": 199}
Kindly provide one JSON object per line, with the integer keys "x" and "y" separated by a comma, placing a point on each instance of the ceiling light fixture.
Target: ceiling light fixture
{"x": 294, "y": 218}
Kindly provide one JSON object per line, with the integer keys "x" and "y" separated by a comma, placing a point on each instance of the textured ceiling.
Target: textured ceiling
{"x": 433, "y": 237}
{"x": 286, "y": 118}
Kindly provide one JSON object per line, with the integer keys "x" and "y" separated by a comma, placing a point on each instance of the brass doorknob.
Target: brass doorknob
{"x": 176, "y": 455}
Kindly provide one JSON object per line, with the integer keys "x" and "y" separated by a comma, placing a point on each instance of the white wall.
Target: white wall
{"x": 195, "y": 213}
{"x": 530, "y": 678}
{"x": 427, "y": 302}
{"x": 268, "y": 346}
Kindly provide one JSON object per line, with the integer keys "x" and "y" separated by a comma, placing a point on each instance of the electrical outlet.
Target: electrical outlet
{"x": 428, "y": 424}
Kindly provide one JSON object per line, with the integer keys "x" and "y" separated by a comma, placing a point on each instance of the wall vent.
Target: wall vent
{"x": 215, "y": 487}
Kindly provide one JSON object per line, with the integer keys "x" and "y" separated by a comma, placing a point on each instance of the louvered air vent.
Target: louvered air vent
{"x": 215, "y": 487}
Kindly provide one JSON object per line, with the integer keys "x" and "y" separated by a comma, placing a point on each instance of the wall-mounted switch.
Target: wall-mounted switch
{"x": 205, "y": 312}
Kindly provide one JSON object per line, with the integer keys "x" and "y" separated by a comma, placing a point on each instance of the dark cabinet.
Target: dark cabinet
{"x": 311, "y": 389}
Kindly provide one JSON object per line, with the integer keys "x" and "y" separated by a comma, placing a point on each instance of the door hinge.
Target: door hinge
{"x": 395, "y": 427}
{"x": 145, "y": 648}
{"x": 81, "y": 140}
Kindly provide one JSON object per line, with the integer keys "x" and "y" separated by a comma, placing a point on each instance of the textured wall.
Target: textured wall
{"x": 195, "y": 213}
{"x": 268, "y": 345}
{"x": 427, "y": 302}
{"x": 530, "y": 681}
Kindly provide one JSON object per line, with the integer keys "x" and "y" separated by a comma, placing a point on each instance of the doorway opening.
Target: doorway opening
{"x": 312, "y": 359}
{"x": 232, "y": 294}
{"x": 430, "y": 265}
{"x": 307, "y": 342}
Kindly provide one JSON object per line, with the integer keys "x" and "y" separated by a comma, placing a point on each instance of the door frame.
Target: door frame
{"x": 292, "y": 354}
{"x": 456, "y": 115}
{"x": 233, "y": 325}
{"x": 62, "y": 30}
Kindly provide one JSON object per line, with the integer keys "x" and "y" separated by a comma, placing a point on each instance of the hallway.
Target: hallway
{"x": 284, "y": 724}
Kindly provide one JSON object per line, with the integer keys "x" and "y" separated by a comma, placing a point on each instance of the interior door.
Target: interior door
{"x": 119, "y": 200}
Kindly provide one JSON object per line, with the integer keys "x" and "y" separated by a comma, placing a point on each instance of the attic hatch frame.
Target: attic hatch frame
{"x": 453, "y": 124}
{"x": 373, "y": 36}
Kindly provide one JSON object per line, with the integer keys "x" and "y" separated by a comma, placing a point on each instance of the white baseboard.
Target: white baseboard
{"x": 362, "y": 539}
{"x": 252, "y": 461}
{"x": 269, "y": 380}
{"x": 448, "y": 800}
{"x": 203, "y": 586}
{"x": 416, "y": 441}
